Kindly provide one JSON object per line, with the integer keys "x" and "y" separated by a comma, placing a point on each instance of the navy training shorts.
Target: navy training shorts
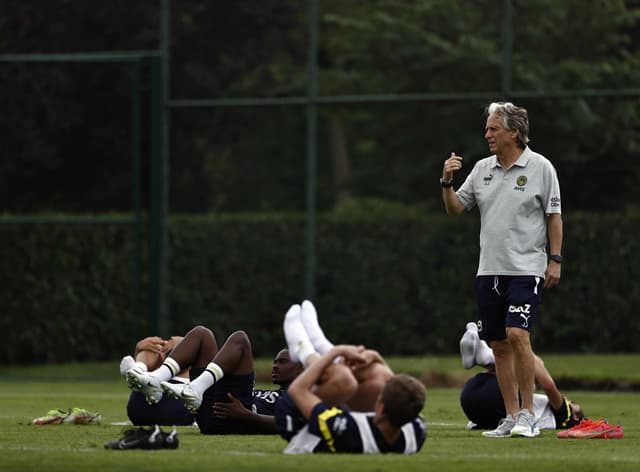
{"x": 482, "y": 401}
{"x": 506, "y": 302}
{"x": 241, "y": 387}
{"x": 167, "y": 412}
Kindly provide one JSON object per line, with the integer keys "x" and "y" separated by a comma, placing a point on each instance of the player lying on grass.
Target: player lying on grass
{"x": 482, "y": 401}
{"x": 359, "y": 378}
{"x": 149, "y": 354}
{"x": 307, "y": 342}
{"x": 370, "y": 381}
{"x": 221, "y": 383}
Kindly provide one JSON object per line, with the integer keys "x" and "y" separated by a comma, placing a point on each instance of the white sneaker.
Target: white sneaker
{"x": 525, "y": 425}
{"x": 503, "y": 430}
{"x": 143, "y": 382}
{"x": 468, "y": 346}
{"x": 126, "y": 364}
{"x": 184, "y": 392}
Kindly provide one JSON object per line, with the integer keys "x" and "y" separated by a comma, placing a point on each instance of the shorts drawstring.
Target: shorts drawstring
{"x": 495, "y": 284}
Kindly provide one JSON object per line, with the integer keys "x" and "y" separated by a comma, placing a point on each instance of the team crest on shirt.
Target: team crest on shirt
{"x": 521, "y": 181}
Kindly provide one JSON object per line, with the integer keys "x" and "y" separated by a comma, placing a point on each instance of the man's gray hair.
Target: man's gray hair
{"x": 513, "y": 119}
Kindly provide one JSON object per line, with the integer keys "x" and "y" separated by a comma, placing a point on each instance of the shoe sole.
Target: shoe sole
{"x": 612, "y": 434}
{"x": 42, "y": 422}
{"x": 524, "y": 434}
{"x": 186, "y": 401}
{"x": 134, "y": 384}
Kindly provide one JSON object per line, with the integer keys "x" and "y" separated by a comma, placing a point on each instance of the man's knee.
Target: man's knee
{"x": 501, "y": 348}
{"x": 519, "y": 339}
{"x": 240, "y": 338}
{"x": 337, "y": 385}
{"x": 201, "y": 332}
{"x": 374, "y": 372}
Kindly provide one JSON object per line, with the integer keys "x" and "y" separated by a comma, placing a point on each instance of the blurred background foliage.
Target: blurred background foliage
{"x": 70, "y": 123}
{"x": 390, "y": 268}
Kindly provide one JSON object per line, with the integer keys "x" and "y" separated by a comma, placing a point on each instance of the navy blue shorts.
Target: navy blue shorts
{"x": 482, "y": 401}
{"x": 241, "y": 387}
{"x": 506, "y": 302}
{"x": 167, "y": 412}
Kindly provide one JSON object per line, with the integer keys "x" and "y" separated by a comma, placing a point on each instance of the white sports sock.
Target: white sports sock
{"x": 484, "y": 354}
{"x": 126, "y": 363}
{"x": 298, "y": 342}
{"x": 141, "y": 365}
{"x": 309, "y": 317}
{"x": 210, "y": 376}
{"x": 167, "y": 370}
{"x": 468, "y": 348}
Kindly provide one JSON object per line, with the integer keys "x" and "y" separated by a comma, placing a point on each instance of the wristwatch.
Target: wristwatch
{"x": 445, "y": 183}
{"x": 556, "y": 258}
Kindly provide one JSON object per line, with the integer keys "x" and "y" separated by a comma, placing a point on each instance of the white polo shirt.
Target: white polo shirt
{"x": 513, "y": 206}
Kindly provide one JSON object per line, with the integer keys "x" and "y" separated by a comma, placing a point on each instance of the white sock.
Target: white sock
{"x": 309, "y": 317}
{"x": 469, "y": 347}
{"x": 141, "y": 365}
{"x": 210, "y": 376}
{"x": 298, "y": 342}
{"x": 484, "y": 354}
{"x": 126, "y": 363}
{"x": 167, "y": 370}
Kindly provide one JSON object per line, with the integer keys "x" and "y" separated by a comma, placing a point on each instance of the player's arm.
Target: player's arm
{"x": 301, "y": 389}
{"x": 554, "y": 233}
{"x": 150, "y": 352}
{"x": 452, "y": 203}
{"x": 234, "y": 410}
{"x": 546, "y": 383}
{"x": 154, "y": 344}
{"x": 560, "y": 405}
{"x": 373, "y": 364}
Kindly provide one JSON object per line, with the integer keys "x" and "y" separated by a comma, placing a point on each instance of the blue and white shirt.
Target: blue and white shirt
{"x": 264, "y": 401}
{"x": 331, "y": 429}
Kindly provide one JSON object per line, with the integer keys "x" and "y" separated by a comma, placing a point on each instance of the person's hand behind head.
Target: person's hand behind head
{"x": 171, "y": 344}
{"x": 351, "y": 355}
{"x": 152, "y": 343}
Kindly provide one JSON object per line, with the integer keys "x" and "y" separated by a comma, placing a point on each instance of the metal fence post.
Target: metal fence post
{"x": 507, "y": 49}
{"x": 136, "y": 260}
{"x": 158, "y": 206}
{"x": 312, "y": 119}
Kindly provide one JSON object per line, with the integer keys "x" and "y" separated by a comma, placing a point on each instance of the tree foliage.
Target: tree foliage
{"x": 71, "y": 122}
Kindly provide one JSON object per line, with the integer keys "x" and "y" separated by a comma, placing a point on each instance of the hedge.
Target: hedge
{"x": 402, "y": 283}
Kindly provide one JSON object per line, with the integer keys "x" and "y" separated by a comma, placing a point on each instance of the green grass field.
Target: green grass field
{"x": 26, "y": 393}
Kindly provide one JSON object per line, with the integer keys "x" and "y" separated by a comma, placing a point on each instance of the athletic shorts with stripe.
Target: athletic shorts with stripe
{"x": 506, "y": 302}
